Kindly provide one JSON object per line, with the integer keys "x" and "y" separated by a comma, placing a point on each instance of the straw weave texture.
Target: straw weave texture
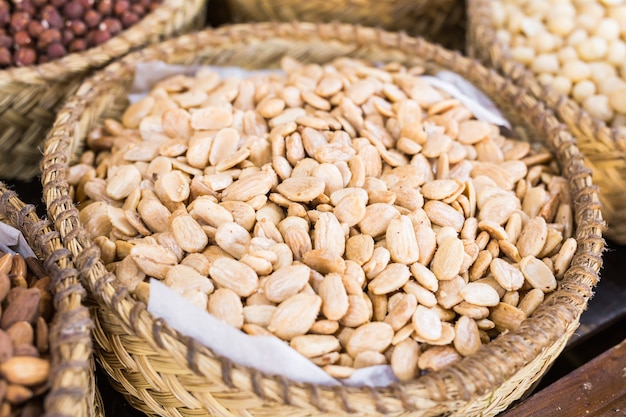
{"x": 163, "y": 373}
{"x": 30, "y": 96}
{"x": 604, "y": 147}
{"x": 72, "y": 387}
{"x": 441, "y": 21}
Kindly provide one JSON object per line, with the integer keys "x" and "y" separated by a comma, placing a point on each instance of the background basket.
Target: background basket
{"x": 30, "y": 96}
{"x": 441, "y": 21}
{"x": 163, "y": 373}
{"x": 72, "y": 387}
{"x": 604, "y": 148}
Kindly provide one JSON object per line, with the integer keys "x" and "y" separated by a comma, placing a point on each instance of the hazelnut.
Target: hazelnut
{"x": 19, "y": 21}
{"x": 111, "y": 25}
{"x": 92, "y": 18}
{"x": 78, "y": 27}
{"x": 6, "y": 41}
{"x": 35, "y": 28}
{"x": 58, "y": 3}
{"x": 22, "y": 38}
{"x": 52, "y": 16}
{"x": 100, "y": 37}
{"x": 129, "y": 18}
{"x": 121, "y": 6}
{"x": 5, "y": 57}
{"x": 26, "y": 6}
{"x": 67, "y": 36}
{"x": 24, "y": 57}
{"x": 138, "y": 9}
{"x": 73, "y": 9}
{"x": 56, "y": 50}
{"x": 77, "y": 45}
{"x": 48, "y": 37}
{"x": 105, "y": 7}
{"x": 5, "y": 15}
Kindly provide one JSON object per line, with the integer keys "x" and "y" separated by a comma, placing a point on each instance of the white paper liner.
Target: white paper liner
{"x": 12, "y": 241}
{"x": 266, "y": 353}
{"x": 149, "y": 73}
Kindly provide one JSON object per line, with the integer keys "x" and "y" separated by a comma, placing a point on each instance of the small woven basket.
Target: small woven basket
{"x": 441, "y": 21}
{"x": 72, "y": 391}
{"x": 30, "y": 96}
{"x": 604, "y": 148}
{"x": 164, "y": 373}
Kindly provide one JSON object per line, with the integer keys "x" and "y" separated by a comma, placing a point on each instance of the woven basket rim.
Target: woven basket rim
{"x": 74, "y": 385}
{"x": 596, "y": 136}
{"x": 77, "y": 62}
{"x": 572, "y": 298}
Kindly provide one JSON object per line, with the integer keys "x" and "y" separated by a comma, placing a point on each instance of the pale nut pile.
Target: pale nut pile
{"x": 356, "y": 212}
{"x": 577, "y": 47}
{"x": 24, "y": 342}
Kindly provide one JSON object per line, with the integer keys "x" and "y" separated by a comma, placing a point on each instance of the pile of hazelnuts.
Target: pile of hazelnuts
{"x": 37, "y": 31}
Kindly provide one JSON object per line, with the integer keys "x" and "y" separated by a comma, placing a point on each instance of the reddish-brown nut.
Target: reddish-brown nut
{"x": 67, "y": 36}
{"x": 78, "y": 27}
{"x": 77, "y": 45}
{"x": 58, "y": 3}
{"x": 73, "y": 9}
{"x": 100, "y": 36}
{"x": 129, "y": 18}
{"x": 138, "y": 9}
{"x": 24, "y": 57}
{"x": 47, "y": 37}
{"x": 5, "y": 57}
{"x": 56, "y": 50}
{"x": 19, "y": 21}
{"x": 26, "y": 6}
{"x": 5, "y": 15}
{"x": 22, "y": 38}
{"x": 35, "y": 28}
{"x": 111, "y": 25}
{"x": 6, "y": 41}
{"x": 92, "y": 18}
{"x": 51, "y": 15}
{"x": 121, "y": 7}
{"x": 105, "y": 7}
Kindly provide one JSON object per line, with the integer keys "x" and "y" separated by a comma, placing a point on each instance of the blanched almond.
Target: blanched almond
{"x": 374, "y": 336}
{"x": 295, "y": 316}
{"x": 285, "y": 282}
{"x": 229, "y": 273}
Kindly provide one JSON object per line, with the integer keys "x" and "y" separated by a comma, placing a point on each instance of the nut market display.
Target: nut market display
{"x": 358, "y": 213}
{"x": 37, "y": 31}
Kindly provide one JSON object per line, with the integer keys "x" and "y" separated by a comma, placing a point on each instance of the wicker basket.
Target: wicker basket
{"x": 604, "y": 148}
{"x": 441, "y": 21}
{"x": 30, "y": 96}
{"x": 163, "y": 373}
{"x": 72, "y": 387}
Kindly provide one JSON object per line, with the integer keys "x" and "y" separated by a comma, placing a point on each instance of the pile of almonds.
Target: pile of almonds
{"x": 38, "y": 31}
{"x": 577, "y": 47}
{"x": 24, "y": 355}
{"x": 356, "y": 212}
